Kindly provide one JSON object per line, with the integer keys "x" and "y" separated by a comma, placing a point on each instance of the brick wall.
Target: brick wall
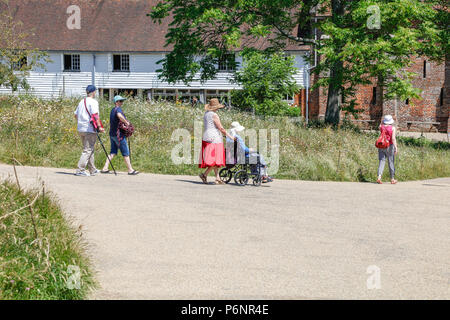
{"x": 429, "y": 108}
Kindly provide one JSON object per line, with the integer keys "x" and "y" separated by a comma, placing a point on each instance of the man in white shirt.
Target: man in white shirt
{"x": 86, "y": 108}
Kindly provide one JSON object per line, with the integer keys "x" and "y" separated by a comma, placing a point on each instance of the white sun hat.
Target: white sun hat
{"x": 388, "y": 119}
{"x": 236, "y": 126}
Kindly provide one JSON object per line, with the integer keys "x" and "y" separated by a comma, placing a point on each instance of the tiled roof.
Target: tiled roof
{"x": 106, "y": 26}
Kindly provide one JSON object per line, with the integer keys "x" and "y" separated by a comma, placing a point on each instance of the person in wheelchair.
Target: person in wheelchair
{"x": 251, "y": 155}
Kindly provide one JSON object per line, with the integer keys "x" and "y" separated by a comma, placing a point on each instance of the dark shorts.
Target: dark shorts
{"x": 123, "y": 146}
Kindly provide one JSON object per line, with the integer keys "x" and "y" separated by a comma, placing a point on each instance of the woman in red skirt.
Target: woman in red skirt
{"x": 212, "y": 156}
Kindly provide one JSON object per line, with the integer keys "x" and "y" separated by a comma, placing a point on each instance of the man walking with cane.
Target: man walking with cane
{"x": 86, "y": 111}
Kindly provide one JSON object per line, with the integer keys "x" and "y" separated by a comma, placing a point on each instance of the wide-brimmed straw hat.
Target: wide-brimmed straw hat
{"x": 213, "y": 105}
{"x": 388, "y": 119}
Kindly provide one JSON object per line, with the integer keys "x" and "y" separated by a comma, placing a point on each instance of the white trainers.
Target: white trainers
{"x": 96, "y": 172}
{"x": 82, "y": 174}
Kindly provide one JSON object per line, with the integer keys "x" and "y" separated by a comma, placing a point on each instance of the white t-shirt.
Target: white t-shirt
{"x": 84, "y": 124}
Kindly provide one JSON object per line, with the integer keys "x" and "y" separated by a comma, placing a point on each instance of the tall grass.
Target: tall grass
{"x": 36, "y": 251}
{"x": 43, "y": 133}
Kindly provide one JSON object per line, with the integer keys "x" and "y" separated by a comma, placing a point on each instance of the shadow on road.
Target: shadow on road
{"x": 66, "y": 173}
{"x": 229, "y": 184}
{"x": 190, "y": 181}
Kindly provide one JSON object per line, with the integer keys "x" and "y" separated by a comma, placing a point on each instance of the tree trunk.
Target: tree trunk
{"x": 332, "y": 115}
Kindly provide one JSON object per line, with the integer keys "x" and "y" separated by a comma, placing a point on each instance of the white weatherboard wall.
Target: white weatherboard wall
{"x": 54, "y": 83}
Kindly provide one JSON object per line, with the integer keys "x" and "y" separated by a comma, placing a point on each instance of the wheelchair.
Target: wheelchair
{"x": 241, "y": 172}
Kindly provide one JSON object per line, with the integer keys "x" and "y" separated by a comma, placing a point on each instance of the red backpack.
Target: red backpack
{"x": 93, "y": 118}
{"x": 382, "y": 141}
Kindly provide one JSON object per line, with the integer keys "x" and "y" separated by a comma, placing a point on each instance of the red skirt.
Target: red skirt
{"x": 212, "y": 155}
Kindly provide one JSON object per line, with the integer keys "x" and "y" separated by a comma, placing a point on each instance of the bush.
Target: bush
{"x": 266, "y": 80}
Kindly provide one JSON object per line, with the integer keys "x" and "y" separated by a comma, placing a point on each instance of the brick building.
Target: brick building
{"x": 430, "y": 113}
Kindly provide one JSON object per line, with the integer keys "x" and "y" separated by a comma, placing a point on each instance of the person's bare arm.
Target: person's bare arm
{"x": 220, "y": 127}
{"x": 394, "y": 139}
{"x": 122, "y": 118}
{"x": 99, "y": 123}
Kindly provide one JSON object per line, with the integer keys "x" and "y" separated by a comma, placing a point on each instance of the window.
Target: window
{"x": 121, "y": 62}
{"x": 227, "y": 62}
{"x": 374, "y": 95}
{"x": 425, "y": 68}
{"x": 441, "y": 98}
{"x": 18, "y": 65}
{"x": 71, "y": 62}
{"x": 289, "y": 98}
{"x": 105, "y": 94}
{"x": 407, "y": 101}
{"x": 304, "y": 30}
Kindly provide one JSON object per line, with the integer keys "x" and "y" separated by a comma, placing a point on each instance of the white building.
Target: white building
{"x": 111, "y": 44}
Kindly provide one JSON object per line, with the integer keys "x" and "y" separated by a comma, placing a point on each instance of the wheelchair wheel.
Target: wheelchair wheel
{"x": 225, "y": 175}
{"x": 257, "y": 180}
{"x": 241, "y": 177}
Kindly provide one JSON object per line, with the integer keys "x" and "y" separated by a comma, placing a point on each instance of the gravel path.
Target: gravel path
{"x": 171, "y": 237}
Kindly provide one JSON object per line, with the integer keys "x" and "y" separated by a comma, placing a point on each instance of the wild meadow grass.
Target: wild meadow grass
{"x": 38, "y": 247}
{"x": 43, "y": 133}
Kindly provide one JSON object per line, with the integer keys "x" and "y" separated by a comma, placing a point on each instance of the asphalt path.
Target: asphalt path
{"x": 172, "y": 237}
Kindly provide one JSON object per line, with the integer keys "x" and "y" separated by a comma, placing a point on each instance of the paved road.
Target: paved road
{"x": 170, "y": 237}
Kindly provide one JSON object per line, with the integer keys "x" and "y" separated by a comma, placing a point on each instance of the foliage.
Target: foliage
{"x": 266, "y": 80}
{"x": 37, "y": 268}
{"x": 43, "y": 133}
{"x": 17, "y": 57}
{"x": 407, "y": 28}
{"x": 202, "y": 32}
{"x": 353, "y": 54}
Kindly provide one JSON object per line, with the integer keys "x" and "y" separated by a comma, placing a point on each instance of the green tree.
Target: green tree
{"x": 266, "y": 80}
{"x": 352, "y": 53}
{"x": 17, "y": 58}
{"x": 376, "y": 40}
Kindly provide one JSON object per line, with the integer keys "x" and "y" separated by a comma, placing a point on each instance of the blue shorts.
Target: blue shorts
{"x": 123, "y": 146}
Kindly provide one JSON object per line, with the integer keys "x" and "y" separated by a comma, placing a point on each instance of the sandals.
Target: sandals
{"x": 393, "y": 181}
{"x": 219, "y": 182}
{"x": 105, "y": 172}
{"x": 267, "y": 179}
{"x": 203, "y": 177}
{"x": 134, "y": 173}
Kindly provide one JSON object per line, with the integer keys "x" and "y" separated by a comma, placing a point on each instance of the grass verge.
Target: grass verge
{"x": 43, "y": 133}
{"x": 41, "y": 255}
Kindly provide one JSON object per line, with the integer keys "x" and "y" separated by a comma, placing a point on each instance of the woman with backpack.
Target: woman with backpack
{"x": 388, "y": 133}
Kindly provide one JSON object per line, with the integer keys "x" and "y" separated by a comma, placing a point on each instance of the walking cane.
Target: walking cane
{"x": 106, "y": 153}
{"x": 129, "y": 147}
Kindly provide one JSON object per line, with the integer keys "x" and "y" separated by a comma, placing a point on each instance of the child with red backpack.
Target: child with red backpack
{"x": 387, "y": 148}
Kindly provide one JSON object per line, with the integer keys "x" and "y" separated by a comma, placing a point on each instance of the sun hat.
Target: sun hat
{"x": 119, "y": 98}
{"x": 236, "y": 126}
{"x": 90, "y": 88}
{"x": 388, "y": 119}
{"x": 213, "y": 105}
